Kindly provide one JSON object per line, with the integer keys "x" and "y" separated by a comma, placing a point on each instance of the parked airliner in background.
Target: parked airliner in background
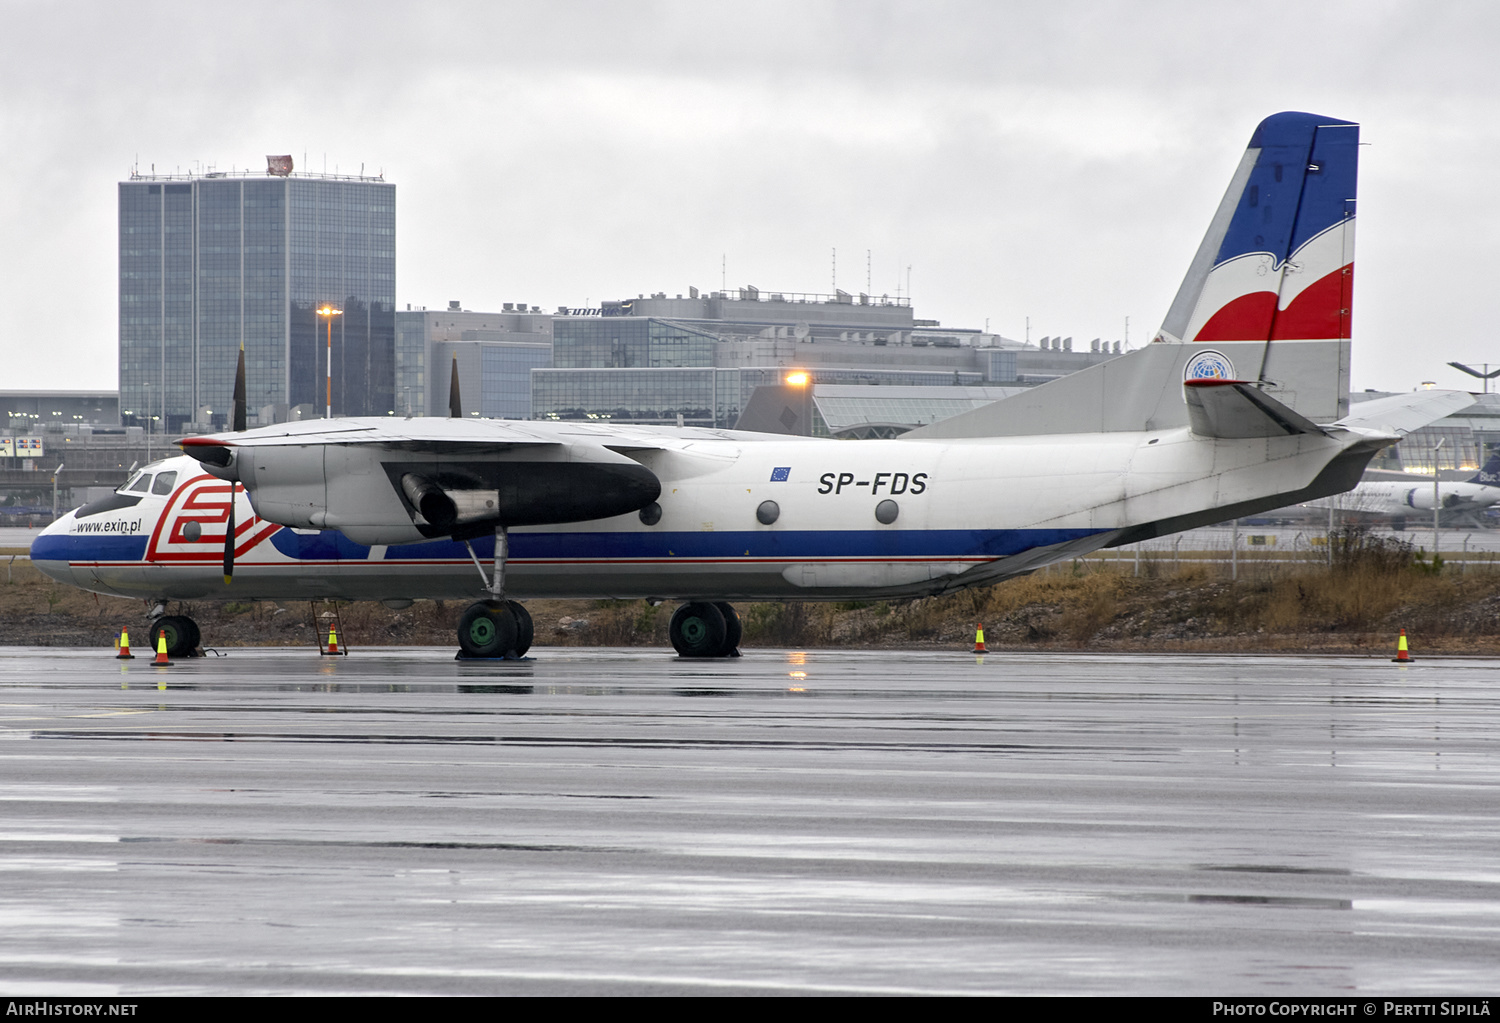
{"x": 1240, "y": 405}
{"x": 1397, "y": 496}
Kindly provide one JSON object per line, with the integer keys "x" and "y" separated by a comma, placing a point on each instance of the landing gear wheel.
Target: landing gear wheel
{"x": 698, "y": 630}
{"x": 732, "y": 629}
{"x": 182, "y": 635}
{"x": 525, "y": 631}
{"x": 488, "y": 629}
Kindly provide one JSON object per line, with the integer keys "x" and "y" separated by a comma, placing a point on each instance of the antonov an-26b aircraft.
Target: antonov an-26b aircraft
{"x": 1239, "y": 405}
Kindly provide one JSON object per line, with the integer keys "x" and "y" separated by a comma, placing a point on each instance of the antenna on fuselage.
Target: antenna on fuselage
{"x": 455, "y": 407}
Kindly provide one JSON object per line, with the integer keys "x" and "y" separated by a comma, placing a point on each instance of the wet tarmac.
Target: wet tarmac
{"x": 617, "y": 821}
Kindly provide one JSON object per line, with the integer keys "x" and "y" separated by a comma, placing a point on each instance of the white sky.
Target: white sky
{"x": 1054, "y": 160}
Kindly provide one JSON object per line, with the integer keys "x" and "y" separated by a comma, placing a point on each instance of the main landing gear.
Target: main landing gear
{"x": 702, "y": 629}
{"x": 496, "y": 627}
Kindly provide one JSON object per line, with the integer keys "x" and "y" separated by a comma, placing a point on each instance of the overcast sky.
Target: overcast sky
{"x": 1053, "y": 160}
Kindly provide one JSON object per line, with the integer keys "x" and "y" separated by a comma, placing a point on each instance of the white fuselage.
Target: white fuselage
{"x": 966, "y": 512}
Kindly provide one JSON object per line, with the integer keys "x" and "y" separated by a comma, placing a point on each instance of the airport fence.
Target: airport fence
{"x": 1252, "y": 555}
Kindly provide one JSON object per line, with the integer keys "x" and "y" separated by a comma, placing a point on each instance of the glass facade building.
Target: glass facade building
{"x": 505, "y": 378}
{"x": 703, "y": 396}
{"x": 495, "y": 353}
{"x": 213, "y": 262}
{"x": 629, "y": 343}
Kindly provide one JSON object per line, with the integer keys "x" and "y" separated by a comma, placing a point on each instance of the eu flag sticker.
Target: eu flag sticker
{"x": 780, "y": 473}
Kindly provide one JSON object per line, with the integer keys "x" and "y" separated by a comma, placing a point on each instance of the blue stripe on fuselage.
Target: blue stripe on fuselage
{"x": 87, "y": 547}
{"x": 325, "y": 545}
{"x": 809, "y": 544}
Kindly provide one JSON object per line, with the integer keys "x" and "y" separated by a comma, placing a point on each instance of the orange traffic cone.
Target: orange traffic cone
{"x": 979, "y": 639}
{"x": 333, "y": 640}
{"x": 122, "y": 647}
{"x": 1402, "y": 657}
{"x": 161, "y": 650}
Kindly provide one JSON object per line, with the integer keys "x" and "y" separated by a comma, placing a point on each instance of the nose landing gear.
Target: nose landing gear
{"x": 704, "y": 629}
{"x": 182, "y": 632}
{"x": 183, "y": 635}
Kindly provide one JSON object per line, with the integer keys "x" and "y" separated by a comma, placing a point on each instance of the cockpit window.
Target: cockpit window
{"x": 142, "y": 484}
{"x": 164, "y": 483}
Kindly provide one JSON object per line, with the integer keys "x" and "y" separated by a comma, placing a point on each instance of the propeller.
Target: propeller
{"x": 229, "y": 536}
{"x": 455, "y": 408}
{"x": 238, "y": 423}
{"x": 239, "y": 393}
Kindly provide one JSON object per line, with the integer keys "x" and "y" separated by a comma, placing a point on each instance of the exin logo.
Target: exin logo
{"x": 1209, "y": 365}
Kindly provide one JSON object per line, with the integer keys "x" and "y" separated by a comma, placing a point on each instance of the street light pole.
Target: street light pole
{"x": 1437, "y": 502}
{"x": 328, "y": 312}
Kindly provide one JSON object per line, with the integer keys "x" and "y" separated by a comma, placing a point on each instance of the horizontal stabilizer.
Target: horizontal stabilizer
{"x": 1236, "y": 409}
{"x": 1400, "y": 414}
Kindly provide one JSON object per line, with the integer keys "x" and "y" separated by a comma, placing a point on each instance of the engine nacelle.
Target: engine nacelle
{"x": 397, "y": 492}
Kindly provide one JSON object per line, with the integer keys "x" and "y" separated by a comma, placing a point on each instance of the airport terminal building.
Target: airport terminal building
{"x": 655, "y": 359}
{"x": 495, "y": 354}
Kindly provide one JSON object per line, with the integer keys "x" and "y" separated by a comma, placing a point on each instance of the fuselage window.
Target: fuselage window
{"x": 164, "y": 483}
{"x": 142, "y": 484}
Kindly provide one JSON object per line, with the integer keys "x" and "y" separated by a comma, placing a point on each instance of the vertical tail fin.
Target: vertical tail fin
{"x": 1266, "y": 299}
{"x": 1278, "y": 260}
{"x": 1489, "y": 473}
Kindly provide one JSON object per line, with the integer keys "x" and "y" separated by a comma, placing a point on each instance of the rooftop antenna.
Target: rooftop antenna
{"x": 724, "y": 272}
{"x": 835, "y": 269}
{"x": 867, "y": 271}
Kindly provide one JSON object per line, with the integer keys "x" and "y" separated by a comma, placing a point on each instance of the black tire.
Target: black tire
{"x": 488, "y": 629}
{"x": 733, "y": 630}
{"x": 182, "y": 635}
{"x": 698, "y": 630}
{"x": 525, "y": 630}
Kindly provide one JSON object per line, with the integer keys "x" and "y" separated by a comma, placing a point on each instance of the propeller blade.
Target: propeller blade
{"x": 229, "y": 536}
{"x": 455, "y": 409}
{"x": 239, "y": 393}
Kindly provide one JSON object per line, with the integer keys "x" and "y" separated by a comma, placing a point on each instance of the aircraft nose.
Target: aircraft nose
{"x": 49, "y": 553}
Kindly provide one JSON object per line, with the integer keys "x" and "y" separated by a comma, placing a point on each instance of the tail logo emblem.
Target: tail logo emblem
{"x": 1209, "y": 365}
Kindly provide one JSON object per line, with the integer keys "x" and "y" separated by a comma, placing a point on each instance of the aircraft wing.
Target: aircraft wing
{"x": 425, "y": 434}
